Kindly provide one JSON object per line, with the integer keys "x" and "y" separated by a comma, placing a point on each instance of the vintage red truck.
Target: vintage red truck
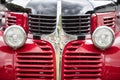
{"x": 60, "y": 40}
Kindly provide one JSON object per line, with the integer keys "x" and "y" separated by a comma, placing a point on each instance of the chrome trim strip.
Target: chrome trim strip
{"x": 58, "y": 52}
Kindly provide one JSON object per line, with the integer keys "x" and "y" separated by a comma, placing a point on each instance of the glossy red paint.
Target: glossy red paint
{"x": 35, "y": 60}
{"x": 11, "y": 67}
{"x": 78, "y": 60}
{"x": 20, "y": 19}
{"x": 7, "y": 70}
{"x": 103, "y": 19}
{"x": 81, "y": 60}
{"x": 112, "y": 61}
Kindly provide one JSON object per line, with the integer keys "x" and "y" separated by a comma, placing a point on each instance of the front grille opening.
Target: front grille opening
{"x": 82, "y": 63}
{"x": 77, "y": 25}
{"x": 42, "y": 54}
{"x": 36, "y": 77}
{"x": 80, "y": 72}
{"x": 81, "y": 54}
{"x": 33, "y": 72}
{"x": 83, "y": 68}
{"x": 46, "y": 49}
{"x": 35, "y": 58}
{"x": 81, "y": 58}
{"x": 82, "y": 77}
{"x": 41, "y": 24}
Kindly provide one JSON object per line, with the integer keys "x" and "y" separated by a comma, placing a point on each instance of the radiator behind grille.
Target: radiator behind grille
{"x": 80, "y": 66}
{"x": 76, "y": 25}
{"x": 40, "y": 24}
{"x": 36, "y": 66}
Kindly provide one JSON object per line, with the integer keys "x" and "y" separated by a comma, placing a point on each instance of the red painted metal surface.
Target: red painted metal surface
{"x": 34, "y": 61}
{"x": 103, "y": 19}
{"x": 112, "y": 61}
{"x": 21, "y": 19}
{"x": 7, "y": 70}
{"x": 38, "y": 64}
{"x": 82, "y": 61}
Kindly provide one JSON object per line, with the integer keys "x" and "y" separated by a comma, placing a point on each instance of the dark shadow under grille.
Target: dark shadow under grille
{"x": 40, "y": 24}
{"x": 76, "y": 25}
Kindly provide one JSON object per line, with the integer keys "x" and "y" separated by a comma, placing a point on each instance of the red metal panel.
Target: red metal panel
{"x": 38, "y": 65}
{"x": 14, "y": 18}
{"x": 20, "y": 64}
{"x": 7, "y": 69}
{"x": 80, "y": 65}
{"x": 103, "y": 19}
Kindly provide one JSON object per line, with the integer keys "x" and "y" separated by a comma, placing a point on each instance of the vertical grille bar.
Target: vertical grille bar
{"x": 36, "y": 66}
{"x": 80, "y": 66}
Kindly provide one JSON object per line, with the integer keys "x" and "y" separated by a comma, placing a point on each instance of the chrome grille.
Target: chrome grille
{"x": 76, "y": 25}
{"x": 41, "y": 24}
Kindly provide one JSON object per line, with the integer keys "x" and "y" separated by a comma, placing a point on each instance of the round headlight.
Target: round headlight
{"x": 14, "y": 36}
{"x": 103, "y": 37}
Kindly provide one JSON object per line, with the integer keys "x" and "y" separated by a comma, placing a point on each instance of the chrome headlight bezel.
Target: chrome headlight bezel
{"x": 15, "y": 36}
{"x": 103, "y": 40}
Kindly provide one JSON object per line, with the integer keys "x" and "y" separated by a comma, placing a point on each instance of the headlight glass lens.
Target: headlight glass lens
{"x": 103, "y": 37}
{"x": 15, "y": 36}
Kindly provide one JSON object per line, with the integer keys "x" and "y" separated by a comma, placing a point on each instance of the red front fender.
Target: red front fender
{"x": 81, "y": 60}
{"x": 35, "y": 60}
